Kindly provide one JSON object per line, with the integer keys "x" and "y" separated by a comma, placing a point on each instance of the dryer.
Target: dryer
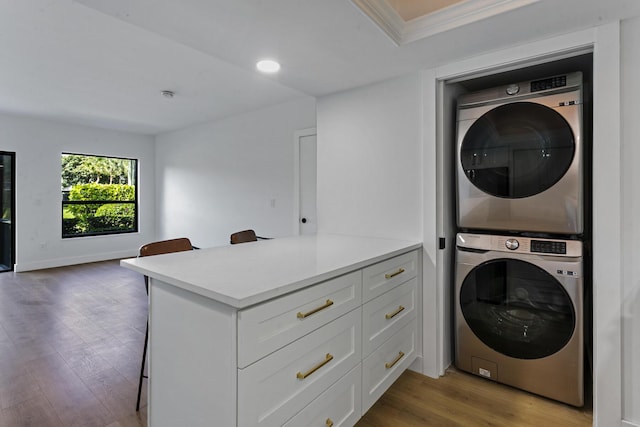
{"x": 520, "y": 157}
{"x": 519, "y": 313}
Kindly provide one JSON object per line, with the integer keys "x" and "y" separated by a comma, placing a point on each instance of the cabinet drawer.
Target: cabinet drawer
{"x": 384, "y": 316}
{"x": 386, "y": 363}
{"x": 340, "y": 405}
{"x": 267, "y": 327}
{"x": 379, "y": 278}
{"x": 283, "y": 383}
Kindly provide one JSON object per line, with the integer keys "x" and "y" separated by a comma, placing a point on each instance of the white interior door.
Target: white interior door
{"x": 307, "y": 219}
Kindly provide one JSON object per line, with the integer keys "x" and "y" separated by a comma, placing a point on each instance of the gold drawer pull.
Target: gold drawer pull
{"x": 392, "y": 315}
{"x": 396, "y": 360}
{"x": 327, "y": 304}
{"x": 328, "y": 358}
{"x": 329, "y": 423}
{"x": 390, "y": 275}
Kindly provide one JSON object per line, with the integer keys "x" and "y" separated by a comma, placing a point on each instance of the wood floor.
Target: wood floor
{"x": 70, "y": 347}
{"x": 461, "y": 399}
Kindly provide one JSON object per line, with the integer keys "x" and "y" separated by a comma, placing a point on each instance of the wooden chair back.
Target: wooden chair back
{"x": 243, "y": 237}
{"x": 163, "y": 247}
{"x": 166, "y": 247}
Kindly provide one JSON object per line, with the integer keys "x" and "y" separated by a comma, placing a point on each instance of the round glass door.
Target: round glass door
{"x": 517, "y": 309}
{"x": 517, "y": 150}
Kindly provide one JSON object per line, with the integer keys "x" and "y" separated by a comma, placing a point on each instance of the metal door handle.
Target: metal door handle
{"x": 302, "y": 315}
{"x": 396, "y": 360}
{"x": 392, "y": 315}
{"x": 328, "y": 358}
{"x": 390, "y": 275}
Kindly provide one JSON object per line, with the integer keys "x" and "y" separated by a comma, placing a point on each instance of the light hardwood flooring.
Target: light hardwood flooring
{"x": 71, "y": 342}
{"x": 461, "y": 399}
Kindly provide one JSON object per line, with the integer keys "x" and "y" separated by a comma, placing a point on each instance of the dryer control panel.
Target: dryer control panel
{"x": 550, "y": 83}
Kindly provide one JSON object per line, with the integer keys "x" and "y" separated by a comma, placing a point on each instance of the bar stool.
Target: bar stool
{"x": 157, "y": 248}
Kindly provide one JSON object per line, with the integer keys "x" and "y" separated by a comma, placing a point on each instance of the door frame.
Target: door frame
{"x": 12, "y": 154}
{"x": 604, "y": 41}
{"x": 297, "y": 136}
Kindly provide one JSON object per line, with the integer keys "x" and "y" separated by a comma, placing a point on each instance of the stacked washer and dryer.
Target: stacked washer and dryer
{"x": 519, "y": 269}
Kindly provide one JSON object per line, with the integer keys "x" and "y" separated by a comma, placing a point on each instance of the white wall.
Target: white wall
{"x": 630, "y": 70}
{"x": 220, "y": 177}
{"x": 38, "y": 145}
{"x": 369, "y": 160}
{"x": 370, "y": 175}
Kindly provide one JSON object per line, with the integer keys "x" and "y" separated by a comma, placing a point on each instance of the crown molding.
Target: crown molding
{"x": 459, "y": 14}
{"x": 384, "y": 16}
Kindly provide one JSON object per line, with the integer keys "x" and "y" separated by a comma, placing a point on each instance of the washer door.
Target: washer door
{"x": 517, "y": 308}
{"x": 517, "y": 150}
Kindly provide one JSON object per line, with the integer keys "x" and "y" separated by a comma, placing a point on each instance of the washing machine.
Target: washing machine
{"x": 520, "y": 157}
{"x": 519, "y": 313}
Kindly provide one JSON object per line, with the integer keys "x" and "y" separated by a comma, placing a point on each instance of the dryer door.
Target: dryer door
{"x": 517, "y": 308}
{"x": 517, "y": 150}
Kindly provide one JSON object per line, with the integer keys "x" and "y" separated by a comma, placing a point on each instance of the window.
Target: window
{"x": 99, "y": 195}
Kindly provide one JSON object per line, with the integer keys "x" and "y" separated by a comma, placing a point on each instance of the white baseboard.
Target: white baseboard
{"x": 626, "y": 423}
{"x": 61, "y": 262}
{"x": 417, "y": 365}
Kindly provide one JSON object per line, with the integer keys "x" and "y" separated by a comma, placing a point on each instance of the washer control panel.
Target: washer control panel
{"x": 549, "y": 247}
{"x": 520, "y": 245}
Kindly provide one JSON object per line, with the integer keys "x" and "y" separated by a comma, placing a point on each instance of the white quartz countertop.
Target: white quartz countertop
{"x": 249, "y": 273}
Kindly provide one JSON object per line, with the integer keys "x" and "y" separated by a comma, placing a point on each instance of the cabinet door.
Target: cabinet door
{"x": 383, "y": 276}
{"x": 267, "y": 327}
{"x": 340, "y": 405}
{"x": 274, "y": 388}
{"x": 384, "y": 316}
{"x": 386, "y": 363}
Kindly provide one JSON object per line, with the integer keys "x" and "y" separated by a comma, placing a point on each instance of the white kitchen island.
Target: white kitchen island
{"x": 297, "y": 331}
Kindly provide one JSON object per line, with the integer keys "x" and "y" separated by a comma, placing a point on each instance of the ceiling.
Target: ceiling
{"x": 104, "y": 62}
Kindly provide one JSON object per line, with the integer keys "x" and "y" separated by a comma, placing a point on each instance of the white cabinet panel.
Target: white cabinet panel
{"x": 188, "y": 343}
{"x": 387, "y": 314}
{"x": 383, "y": 276}
{"x": 264, "y": 328}
{"x": 281, "y": 384}
{"x": 339, "y": 406}
{"x": 384, "y": 365}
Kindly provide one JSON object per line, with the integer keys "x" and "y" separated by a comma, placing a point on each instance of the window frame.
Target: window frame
{"x": 135, "y": 202}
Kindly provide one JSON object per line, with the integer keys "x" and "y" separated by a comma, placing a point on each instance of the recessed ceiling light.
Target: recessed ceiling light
{"x": 268, "y": 66}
